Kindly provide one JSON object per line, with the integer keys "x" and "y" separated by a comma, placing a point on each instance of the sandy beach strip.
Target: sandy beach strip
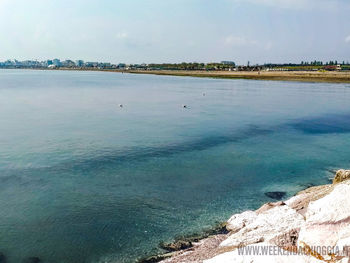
{"x": 303, "y": 76}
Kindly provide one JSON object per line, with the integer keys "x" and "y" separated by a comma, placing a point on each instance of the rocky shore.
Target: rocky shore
{"x": 313, "y": 226}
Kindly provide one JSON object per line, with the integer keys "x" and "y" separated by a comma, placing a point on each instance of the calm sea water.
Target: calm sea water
{"x": 83, "y": 180}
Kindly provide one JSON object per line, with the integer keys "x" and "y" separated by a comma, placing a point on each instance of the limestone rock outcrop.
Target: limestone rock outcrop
{"x": 268, "y": 226}
{"x": 341, "y": 176}
{"x": 328, "y": 220}
{"x": 238, "y": 221}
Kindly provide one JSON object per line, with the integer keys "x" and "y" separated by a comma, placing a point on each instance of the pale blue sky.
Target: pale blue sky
{"x": 136, "y": 31}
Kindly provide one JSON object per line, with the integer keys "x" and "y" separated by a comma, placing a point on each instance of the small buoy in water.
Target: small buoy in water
{"x": 203, "y": 94}
{"x": 184, "y": 106}
{"x": 120, "y": 105}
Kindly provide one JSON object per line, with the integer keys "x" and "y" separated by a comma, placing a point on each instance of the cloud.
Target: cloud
{"x": 238, "y": 41}
{"x": 347, "y": 39}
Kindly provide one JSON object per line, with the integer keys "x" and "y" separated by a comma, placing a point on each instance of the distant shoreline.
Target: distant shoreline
{"x": 299, "y": 76}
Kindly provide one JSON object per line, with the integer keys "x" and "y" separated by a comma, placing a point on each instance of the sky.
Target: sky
{"x": 169, "y": 31}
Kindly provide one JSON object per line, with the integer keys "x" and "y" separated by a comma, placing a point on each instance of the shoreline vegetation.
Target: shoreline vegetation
{"x": 298, "y": 228}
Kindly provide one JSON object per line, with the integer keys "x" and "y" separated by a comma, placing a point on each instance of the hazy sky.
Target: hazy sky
{"x": 136, "y": 31}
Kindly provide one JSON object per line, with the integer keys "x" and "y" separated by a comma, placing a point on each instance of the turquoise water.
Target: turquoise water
{"x": 83, "y": 180}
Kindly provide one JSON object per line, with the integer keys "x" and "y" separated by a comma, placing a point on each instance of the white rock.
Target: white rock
{"x": 268, "y": 226}
{"x": 293, "y": 201}
{"x": 327, "y": 219}
{"x": 238, "y": 221}
{"x": 332, "y": 208}
{"x": 344, "y": 246}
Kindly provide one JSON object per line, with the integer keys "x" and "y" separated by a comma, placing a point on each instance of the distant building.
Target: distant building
{"x": 121, "y": 66}
{"x": 68, "y": 63}
{"x": 330, "y": 67}
{"x": 91, "y": 64}
{"x": 9, "y": 63}
{"x": 228, "y": 63}
{"x": 56, "y": 62}
{"x": 79, "y": 63}
{"x": 104, "y": 65}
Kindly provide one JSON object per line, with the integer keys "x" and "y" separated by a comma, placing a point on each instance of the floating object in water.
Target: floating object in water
{"x": 120, "y": 105}
{"x": 184, "y": 106}
{"x": 203, "y": 94}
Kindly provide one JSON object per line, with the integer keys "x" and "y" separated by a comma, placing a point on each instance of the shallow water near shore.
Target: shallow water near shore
{"x": 84, "y": 180}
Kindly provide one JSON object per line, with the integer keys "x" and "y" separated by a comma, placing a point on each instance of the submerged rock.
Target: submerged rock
{"x": 341, "y": 175}
{"x": 32, "y": 260}
{"x": 2, "y": 258}
{"x": 155, "y": 259}
{"x": 186, "y": 242}
{"x": 276, "y": 195}
{"x": 176, "y": 246}
{"x": 219, "y": 229}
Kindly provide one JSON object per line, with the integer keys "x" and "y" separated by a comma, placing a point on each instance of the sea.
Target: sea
{"x": 103, "y": 167}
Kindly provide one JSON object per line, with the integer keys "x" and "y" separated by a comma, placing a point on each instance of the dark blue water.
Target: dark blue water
{"x": 83, "y": 180}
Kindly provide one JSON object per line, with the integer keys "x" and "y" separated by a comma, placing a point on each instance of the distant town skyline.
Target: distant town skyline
{"x": 158, "y": 31}
{"x": 314, "y": 65}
